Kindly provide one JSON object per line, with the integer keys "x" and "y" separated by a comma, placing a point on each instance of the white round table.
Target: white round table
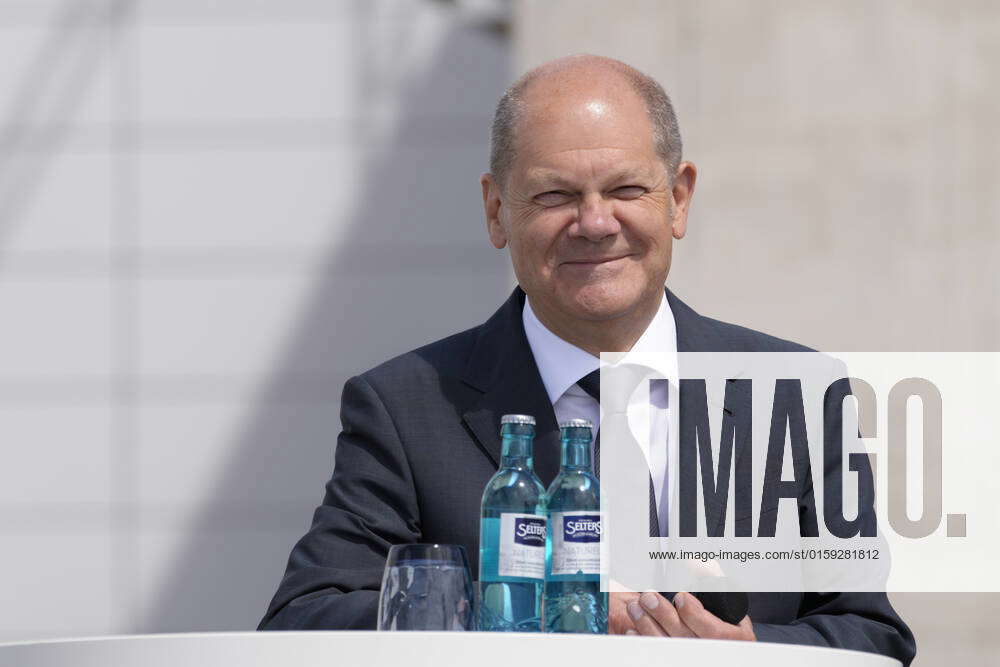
{"x": 416, "y": 649}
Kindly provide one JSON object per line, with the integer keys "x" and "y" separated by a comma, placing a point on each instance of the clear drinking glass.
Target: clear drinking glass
{"x": 426, "y": 587}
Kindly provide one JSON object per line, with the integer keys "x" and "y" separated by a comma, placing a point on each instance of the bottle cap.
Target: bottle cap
{"x": 517, "y": 419}
{"x": 576, "y": 423}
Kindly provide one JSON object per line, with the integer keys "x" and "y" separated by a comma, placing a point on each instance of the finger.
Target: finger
{"x": 617, "y": 587}
{"x": 660, "y": 609}
{"x": 619, "y": 622}
{"x": 702, "y": 622}
{"x": 644, "y": 623}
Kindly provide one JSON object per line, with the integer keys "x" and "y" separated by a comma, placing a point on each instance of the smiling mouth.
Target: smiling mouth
{"x": 594, "y": 262}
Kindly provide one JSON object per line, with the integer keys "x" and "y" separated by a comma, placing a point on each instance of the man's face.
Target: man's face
{"x": 588, "y": 211}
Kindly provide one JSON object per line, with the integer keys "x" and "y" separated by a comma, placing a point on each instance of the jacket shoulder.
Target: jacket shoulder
{"x": 744, "y": 339}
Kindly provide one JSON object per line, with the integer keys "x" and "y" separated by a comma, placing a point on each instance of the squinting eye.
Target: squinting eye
{"x": 629, "y": 192}
{"x": 553, "y": 198}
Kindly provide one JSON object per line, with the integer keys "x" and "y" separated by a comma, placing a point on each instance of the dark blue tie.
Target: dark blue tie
{"x": 591, "y": 383}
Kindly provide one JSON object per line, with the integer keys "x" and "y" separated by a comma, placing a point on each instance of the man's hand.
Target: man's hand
{"x": 653, "y": 615}
{"x": 619, "y": 622}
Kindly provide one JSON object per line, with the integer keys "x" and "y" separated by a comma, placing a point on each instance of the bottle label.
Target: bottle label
{"x": 522, "y": 546}
{"x": 576, "y": 542}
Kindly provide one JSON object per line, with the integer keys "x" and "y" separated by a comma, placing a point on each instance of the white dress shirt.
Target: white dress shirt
{"x": 561, "y": 364}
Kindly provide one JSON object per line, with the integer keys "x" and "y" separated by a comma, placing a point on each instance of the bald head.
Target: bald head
{"x": 574, "y": 85}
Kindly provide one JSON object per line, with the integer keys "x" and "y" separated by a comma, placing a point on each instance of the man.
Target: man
{"x": 588, "y": 191}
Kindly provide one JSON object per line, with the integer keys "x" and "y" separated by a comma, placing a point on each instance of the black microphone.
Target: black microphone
{"x": 730, "y": 606}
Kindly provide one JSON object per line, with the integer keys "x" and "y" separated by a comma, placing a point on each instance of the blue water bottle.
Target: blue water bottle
{"x": 573, "y": 598}
{"x": 512, "y": 536}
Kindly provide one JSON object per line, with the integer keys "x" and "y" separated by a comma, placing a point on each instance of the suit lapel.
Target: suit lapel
{"x": 694, "y": 332}
{"x": 698, "y": 334}
{"x": 503, "y": 367}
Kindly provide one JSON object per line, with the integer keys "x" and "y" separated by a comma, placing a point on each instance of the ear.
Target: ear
{"x": 682, "y": 193}
{"x": 491, "y": 207}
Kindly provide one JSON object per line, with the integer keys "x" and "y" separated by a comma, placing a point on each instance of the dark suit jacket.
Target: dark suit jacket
{"x": 420, "y": 440}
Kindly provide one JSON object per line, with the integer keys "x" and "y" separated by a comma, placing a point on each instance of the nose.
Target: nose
{"x": 595, "y": 218}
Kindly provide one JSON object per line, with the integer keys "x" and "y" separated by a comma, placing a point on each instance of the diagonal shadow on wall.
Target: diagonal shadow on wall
{"x": 38, "y": 121}
{"x": 415, "y": 265}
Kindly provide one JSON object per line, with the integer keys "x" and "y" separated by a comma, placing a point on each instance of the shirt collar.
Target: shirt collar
{"x": 561, "y": 364}
{"x": 657, "y": 346}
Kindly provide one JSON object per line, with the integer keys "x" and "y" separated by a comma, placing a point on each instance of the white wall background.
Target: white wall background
{"x": 211, "y": 214}
{"x": 848, "y": 188}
